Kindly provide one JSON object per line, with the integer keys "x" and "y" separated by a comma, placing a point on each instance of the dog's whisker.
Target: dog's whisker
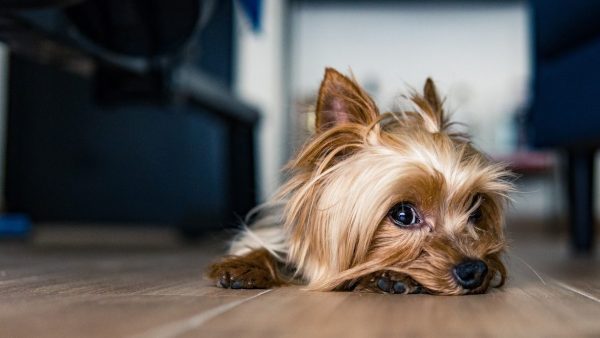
{"x": 529, "y": 267}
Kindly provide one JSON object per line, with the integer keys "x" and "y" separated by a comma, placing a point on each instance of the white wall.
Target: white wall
{"x": 259, "y": 80}
{"x": 477, "y": 53}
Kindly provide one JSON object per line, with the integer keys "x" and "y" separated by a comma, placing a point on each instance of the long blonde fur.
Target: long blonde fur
{"x": 329, "y": 222}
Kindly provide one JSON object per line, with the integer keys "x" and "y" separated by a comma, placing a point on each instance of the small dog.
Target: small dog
{"x": 398, "y": 202}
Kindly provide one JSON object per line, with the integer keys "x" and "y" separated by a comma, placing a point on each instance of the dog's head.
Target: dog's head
{"x": 393, "y": 191}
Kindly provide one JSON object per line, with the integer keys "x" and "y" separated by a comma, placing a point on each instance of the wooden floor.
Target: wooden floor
{"x": 65, "y": 291}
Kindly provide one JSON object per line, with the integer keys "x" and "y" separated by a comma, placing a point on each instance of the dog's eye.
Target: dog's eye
{"x": 476, "y": 215}
{"x": 404, "y": 215}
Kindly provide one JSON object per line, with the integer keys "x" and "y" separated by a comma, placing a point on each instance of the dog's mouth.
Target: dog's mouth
{"x": 495, "y": 280}
{"x": 476, "y": 276}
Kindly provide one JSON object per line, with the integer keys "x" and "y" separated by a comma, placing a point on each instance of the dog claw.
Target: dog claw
{"x": 238, "y": 276}
{"x": 223, "y": 282}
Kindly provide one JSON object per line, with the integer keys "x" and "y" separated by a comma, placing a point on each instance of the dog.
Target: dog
{"x": 397, "y": 202}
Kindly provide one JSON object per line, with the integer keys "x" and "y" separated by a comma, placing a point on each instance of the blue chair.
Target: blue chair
{"x": 565, "y": 112}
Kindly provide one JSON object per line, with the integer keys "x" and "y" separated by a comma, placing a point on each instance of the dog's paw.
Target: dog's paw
{"x": 232, "y": 275}
{"x": 388, "y": 282}
{"x": 257, "y": 270}
{"x": 243, "y": 278}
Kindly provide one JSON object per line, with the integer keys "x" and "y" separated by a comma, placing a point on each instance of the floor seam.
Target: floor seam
{"x": 177, "y": 328}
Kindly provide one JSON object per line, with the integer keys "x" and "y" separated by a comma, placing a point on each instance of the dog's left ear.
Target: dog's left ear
{"x": 431, "y": 106}
{"x": 341, "y": 100}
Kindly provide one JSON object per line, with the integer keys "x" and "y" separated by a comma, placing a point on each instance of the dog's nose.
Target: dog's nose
{"x": 470, "y": 274}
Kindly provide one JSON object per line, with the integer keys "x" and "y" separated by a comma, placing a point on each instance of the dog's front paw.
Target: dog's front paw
{"x": 257, "y": 270}
{"x": 240, "y": 277}
{"x": 388, "y": 282}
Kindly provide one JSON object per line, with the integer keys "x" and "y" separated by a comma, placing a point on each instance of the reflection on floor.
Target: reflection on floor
{"x": 51, "y": 289}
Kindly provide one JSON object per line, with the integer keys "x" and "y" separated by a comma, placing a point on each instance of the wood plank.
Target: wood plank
{"x": 159, "y": 292}
{"x": 100, "y": 315}
{"x": 99, "y": 293}
{"x": 525, "y": 307}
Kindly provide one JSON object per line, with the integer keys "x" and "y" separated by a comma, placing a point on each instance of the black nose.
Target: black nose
{"x": 470, "y": 274}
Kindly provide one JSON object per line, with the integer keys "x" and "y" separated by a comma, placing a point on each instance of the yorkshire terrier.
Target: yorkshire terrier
{"x": 398, "y": 202}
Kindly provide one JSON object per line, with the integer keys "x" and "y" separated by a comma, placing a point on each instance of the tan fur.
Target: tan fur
{"x": 333, "y": 224}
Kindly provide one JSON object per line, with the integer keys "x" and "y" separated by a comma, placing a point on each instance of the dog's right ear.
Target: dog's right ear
{"x": 341, "y": 100}
{"x": 431, "y": 96}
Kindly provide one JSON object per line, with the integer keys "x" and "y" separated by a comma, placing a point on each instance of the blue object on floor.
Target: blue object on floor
{"x": 14, "y": 226}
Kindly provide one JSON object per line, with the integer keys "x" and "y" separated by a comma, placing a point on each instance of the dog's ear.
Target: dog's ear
{"x": 431, "y": 95}
{"x": 431, "y": 107}
{"x": 341, "y": 100}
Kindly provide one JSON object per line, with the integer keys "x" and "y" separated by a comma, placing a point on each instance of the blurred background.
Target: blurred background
{"x": 178, "y": 116}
